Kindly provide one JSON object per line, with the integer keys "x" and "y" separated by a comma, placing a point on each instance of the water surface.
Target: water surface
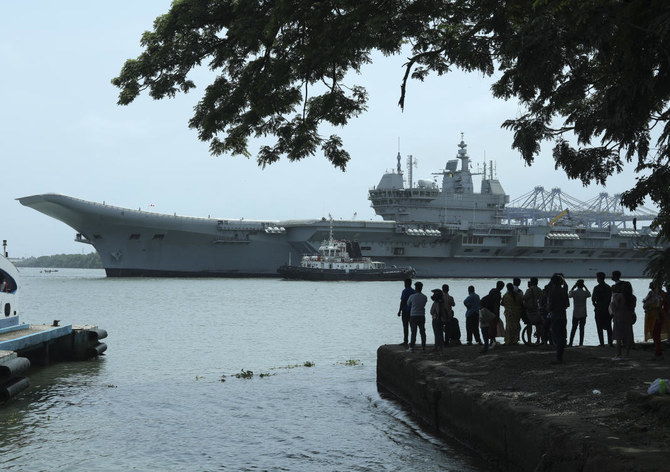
{"x": 156, "y": 400}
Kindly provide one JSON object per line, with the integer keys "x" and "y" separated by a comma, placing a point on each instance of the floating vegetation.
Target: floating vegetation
{"x": 351, "y": 362}
{"x": 245, "y": 374}
{"x": 248, "y": 374}
{"x": 295, "y": 366}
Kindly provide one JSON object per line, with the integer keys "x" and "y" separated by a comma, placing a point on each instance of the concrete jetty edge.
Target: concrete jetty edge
{"x": 510, "y": 436}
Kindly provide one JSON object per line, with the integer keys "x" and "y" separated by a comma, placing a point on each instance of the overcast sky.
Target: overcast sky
{"x": 62, "y": 131}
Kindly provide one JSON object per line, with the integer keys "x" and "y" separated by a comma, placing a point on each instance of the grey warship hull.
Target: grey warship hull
{"x": 138, "y": 243}
{"x": 447, "y": 231}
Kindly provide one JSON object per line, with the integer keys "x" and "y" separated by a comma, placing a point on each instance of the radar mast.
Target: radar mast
{"x": 463, "y": 154}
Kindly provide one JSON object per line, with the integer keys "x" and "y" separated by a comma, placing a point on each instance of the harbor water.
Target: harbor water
{"x": 224, "y": 374}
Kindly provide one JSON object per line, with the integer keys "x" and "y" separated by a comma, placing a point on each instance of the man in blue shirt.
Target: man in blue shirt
{"x": 471, "y": 303}
{"x": 417, "y": 315}
{"x": 403, "y": 310}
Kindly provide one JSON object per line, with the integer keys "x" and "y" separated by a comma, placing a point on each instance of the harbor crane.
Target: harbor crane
{"x": 540, "y": 206}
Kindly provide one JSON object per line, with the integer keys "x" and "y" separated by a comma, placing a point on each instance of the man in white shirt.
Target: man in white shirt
{"x": 417, "y": 315}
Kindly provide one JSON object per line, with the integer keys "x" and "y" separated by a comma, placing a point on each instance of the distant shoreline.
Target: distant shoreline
{"x": 62, "y": 261}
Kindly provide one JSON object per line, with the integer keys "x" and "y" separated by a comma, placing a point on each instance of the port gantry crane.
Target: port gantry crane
{"x": 539, "y": 205}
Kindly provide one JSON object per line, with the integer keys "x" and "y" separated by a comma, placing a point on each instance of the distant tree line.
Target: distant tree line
{"x": 72, "y": 261}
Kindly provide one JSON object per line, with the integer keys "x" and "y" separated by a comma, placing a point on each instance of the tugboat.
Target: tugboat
{"x": 342, "y": 260}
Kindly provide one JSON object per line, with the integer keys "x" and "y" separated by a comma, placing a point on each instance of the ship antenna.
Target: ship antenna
{"x": 463, "y": 154}
{"x": 411, "y": 162}
{"x": 399, "y": 158}
{"x": 330, "y": 236}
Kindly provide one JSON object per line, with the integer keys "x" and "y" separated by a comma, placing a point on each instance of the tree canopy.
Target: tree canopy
{"x": 592, "y": 76}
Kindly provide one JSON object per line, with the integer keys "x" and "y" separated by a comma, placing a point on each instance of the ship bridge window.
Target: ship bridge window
{"x": 8, "y": 284}
{"x": 158, "y": 236}
{"x": 398, "y": 251}
{"x": 135, "y": 236}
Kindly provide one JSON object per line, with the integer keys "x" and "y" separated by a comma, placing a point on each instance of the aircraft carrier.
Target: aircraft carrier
{"x": 446, "y": 230}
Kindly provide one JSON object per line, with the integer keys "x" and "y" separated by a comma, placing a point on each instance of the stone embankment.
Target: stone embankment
{"x": 517, "y": 409}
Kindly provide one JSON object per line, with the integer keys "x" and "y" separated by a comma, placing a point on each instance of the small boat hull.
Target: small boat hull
{"x": 306, "y": 273}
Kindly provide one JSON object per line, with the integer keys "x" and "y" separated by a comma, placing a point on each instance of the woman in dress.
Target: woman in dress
{"x": 512, "y": 301}
{"x": 622, "y": 308}
{"x": 651, "y": 304}
{"x": 656, "y": 308}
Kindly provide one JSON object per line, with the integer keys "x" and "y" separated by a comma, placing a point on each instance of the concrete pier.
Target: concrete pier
{"x": 515, "y": 408}
{"x": 22, "y": 346}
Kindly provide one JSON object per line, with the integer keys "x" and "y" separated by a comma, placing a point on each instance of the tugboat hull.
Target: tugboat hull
{"x": 303, "y": 273}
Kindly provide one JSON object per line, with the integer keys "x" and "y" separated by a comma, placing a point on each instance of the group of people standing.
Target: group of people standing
{"x": 484, "y": 313}
{"x": 413, "y": 312}
{"x": 545, "y": 309}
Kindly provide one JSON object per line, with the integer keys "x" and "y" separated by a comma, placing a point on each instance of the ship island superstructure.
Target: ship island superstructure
{"x": 455, "y": 205}
{"x": 440, "y": 231}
